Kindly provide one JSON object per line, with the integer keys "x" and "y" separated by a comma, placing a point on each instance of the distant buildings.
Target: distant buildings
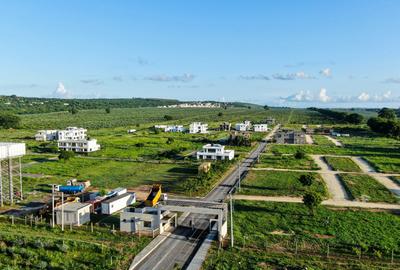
{"x": 170, "y": 128}
{"x": 245, "y": 126}
{"x": 290, "y": 137}
{"x": 226, "y": 126}
{"x": 260, "y": 127}
{"x": 215, "y": 152}
{"x": 198, "y": 127}
{"x": 193, "y": 105}
{"x": 70, "y": 139}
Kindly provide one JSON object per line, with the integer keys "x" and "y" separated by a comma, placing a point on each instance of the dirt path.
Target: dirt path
{"x": 363, "y": 164}
{"x": 309, "y": 139}
{"x": 337, "y": 203}
{"x": 335, "y": 186}
{"x": 336, "y": 142}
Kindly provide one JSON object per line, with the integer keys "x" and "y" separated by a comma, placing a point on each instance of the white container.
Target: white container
{"x": 117, "y": 203}
{"x": 11, "y": 150}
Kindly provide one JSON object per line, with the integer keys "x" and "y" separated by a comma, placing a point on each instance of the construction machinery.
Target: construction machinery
{"x": 154, "y": 196}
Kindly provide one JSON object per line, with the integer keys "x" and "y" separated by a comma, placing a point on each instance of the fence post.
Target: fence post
{"x": 327, "y": 252}
{"x": 91, "y": 226}
{"x": 12, "y": 220}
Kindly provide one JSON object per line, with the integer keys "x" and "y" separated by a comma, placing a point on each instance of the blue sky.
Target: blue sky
{"x": 290, "y": 53}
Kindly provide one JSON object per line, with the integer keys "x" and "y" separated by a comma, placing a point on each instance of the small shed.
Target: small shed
{"x": 75, "y": 213}
{"x": 117, "y": 203}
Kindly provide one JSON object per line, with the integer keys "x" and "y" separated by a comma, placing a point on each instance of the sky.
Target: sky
{"x": 343, "y": 53}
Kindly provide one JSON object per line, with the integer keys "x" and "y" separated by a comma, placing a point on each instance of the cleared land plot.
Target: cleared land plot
{"x": 286, "y": 162}
{"x": 344, "y": 164}
{"x": 277, "y": 183}
{"x": 40, "y": 247}
{"x": 322, "y": 140}
{"x": 268, "y": 234}
{"x": 366, "y": 188}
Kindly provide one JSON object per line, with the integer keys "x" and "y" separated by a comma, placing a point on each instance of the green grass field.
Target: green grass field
{"x": 40, "y": 247}
{"x": 279, "y": 183}
{"x": 267, "y": 234}
{"x": 286, "y": 162}
{"x": 343, "y": 164}
{"x": 322, "y": 140}
{"x": 364, "y": 187}
{"x": 385, "y": 164}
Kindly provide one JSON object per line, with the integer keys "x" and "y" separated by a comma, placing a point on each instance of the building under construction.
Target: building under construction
{"x": 10, "y": 172}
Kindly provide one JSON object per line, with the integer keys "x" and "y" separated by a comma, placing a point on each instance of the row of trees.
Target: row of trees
{"x": 351, "y": 118}
{"x": 9, "y": 121}
{"x": 386, "y": 123}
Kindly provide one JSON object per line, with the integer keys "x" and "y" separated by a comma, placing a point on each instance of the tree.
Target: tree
{"x": 220, "y": 114}
{"x": 387, "y": 113}
{"x": 73, "y": 110}
{"x": 168, "y": 117}
{"x": 108, "y": 110}
{"x": 170, "y": 140}
{"x": 266, "y": 107}
{"x": 354, "y": 118}
{"x": 307, "y": 179}
{"x": 312, "y": 200}
{"x": 300, "y": 154}
{"x": 9, "y": 121}
{"x": 66, "y": 155}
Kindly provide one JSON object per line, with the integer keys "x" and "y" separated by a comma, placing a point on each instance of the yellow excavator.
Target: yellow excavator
{"x": 154, "y": 196}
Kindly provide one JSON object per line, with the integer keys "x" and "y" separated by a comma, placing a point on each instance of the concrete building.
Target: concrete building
{"x": 198, "y": 127}
{"x": 290, "y": 137}
{"x": 215, "y": 152}
{"x": 117, "y": 203}
{"x": 147, "y": 220}
{"x": 245, "y": 126}
{"x": 46, "y": 135}
{"x": 226, "y": 126}
{"x": 75, "y": 213}
{"x": 72, "y": 133}
{"x": 10, "y": 171}
{"x": 260, "y": 127}
{"x": 170, "y": 128}
{"x": 79, "y": 146}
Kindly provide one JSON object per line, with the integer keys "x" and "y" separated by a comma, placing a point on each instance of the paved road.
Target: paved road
{"x": 182, "y": 244}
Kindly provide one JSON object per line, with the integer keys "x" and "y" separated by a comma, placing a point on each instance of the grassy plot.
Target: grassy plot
{"x": 344, "y": 164}
{"x": 40, "y": 247}
{"x": 385, "y": 164}
{"x": 286, "y": 162}
{"x": 366, "y": 188}
{"x": 268, "y": 236}
{"x": 322, "y": 140}
{"x": 105, "y": 173}
{"x": 279, "y": 183}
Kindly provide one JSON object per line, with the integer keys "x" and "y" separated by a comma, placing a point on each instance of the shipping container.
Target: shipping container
{"x": 117, "y": 203}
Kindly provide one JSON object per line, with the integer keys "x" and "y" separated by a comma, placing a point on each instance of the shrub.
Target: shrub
{"x": 300, "y": 154}
{"x": 312, "y": 200}
{"x": 66, "y": 155}
{"x": 168, "y": 117}
{"x": 307, "y": 179}
{"x": 9, "y": 121}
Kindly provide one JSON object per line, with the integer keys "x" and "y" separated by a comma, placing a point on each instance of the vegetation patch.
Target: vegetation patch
{"x": 366, "y": 188}
{"x": 279, "y": 183}
{"x": 385, "y": 164}
{"x": 329, "y": 239}
{"x": 344, "y": 164}
{"x": 286, "y": 162}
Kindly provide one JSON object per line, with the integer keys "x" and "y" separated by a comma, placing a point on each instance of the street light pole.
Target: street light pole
{"x": 62, "y": 211}
{"x": 52, "y": 206}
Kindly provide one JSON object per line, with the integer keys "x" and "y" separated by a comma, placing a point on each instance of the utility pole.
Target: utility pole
{"x": 52, "y": 206}
{"x": 230, "y": 197}
{"x": 20, "y": 179}
{"x": 62, "y": 211}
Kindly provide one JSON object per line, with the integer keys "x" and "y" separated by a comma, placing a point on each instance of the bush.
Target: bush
{"x": 168, "y": 117}
{"x": 66, "y": 155}
{"x": 307, "y": 179}
{"x": 9, "y": 121}
{"x": 312, "y": 200}
{"x": 300, "y": 154}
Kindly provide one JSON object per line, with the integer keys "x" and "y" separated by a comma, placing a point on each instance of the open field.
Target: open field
{"x": 322, "y": 140}
{"x": 344, "y": 164}
{"x": 277, "y": 183}
{"x": 385, "y": 164}
{"x": 40, "y": 247}
{"x": 286, "y": 162}
{"x": 267, "y": 234}
{"x": 364, "y": 187}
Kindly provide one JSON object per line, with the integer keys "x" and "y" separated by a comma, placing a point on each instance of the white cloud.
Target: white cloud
{"x": 254, "y": 77}
{"x": 363, "y": 97}
{"x": 302, "y": 96}
{"x": 186, "y": 77}
{"x": 326, "y": 72}
{"x": 323, "y": 96}
{"x": 61, "y": 91}
{"x": 292, "y": 76}
{"x": 392, "y": 80}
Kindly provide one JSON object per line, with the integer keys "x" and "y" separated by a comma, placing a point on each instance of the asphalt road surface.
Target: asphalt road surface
{"x": 178, "y": 249}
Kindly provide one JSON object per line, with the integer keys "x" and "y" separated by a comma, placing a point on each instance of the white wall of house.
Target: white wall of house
{"x": 46, "y": 135}
{"x": 79, "y": 146}
{"x": 74, "y": 213}
{"x": 260, "y": 127}
{"x": 215, "y": 152}
{"x": 198, "y": 127}
{"x": 117, "y": 203}
{"x": 72, "y": 133}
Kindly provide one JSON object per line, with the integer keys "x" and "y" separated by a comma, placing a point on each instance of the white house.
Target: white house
{"x": 79, "y": 146}
{"x": 131, "y": 131}
{"x": 147, "y": 220}
{"x": 75, "y": 213}
{"x": 46, "y": 135}
{"x": 198, "y": 127}
{"x": 170, "y": 128}
{"x": 245, "y": 126}
{"x": 260, "y": 127}
{"x": 117, "y": 203}
{"x": 72, "y": 133}
{"x": 215, "y": 152}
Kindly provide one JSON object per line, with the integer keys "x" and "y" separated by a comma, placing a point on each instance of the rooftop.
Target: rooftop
{"x": 116, "y": 198}
{"x": 72, "y": 207}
